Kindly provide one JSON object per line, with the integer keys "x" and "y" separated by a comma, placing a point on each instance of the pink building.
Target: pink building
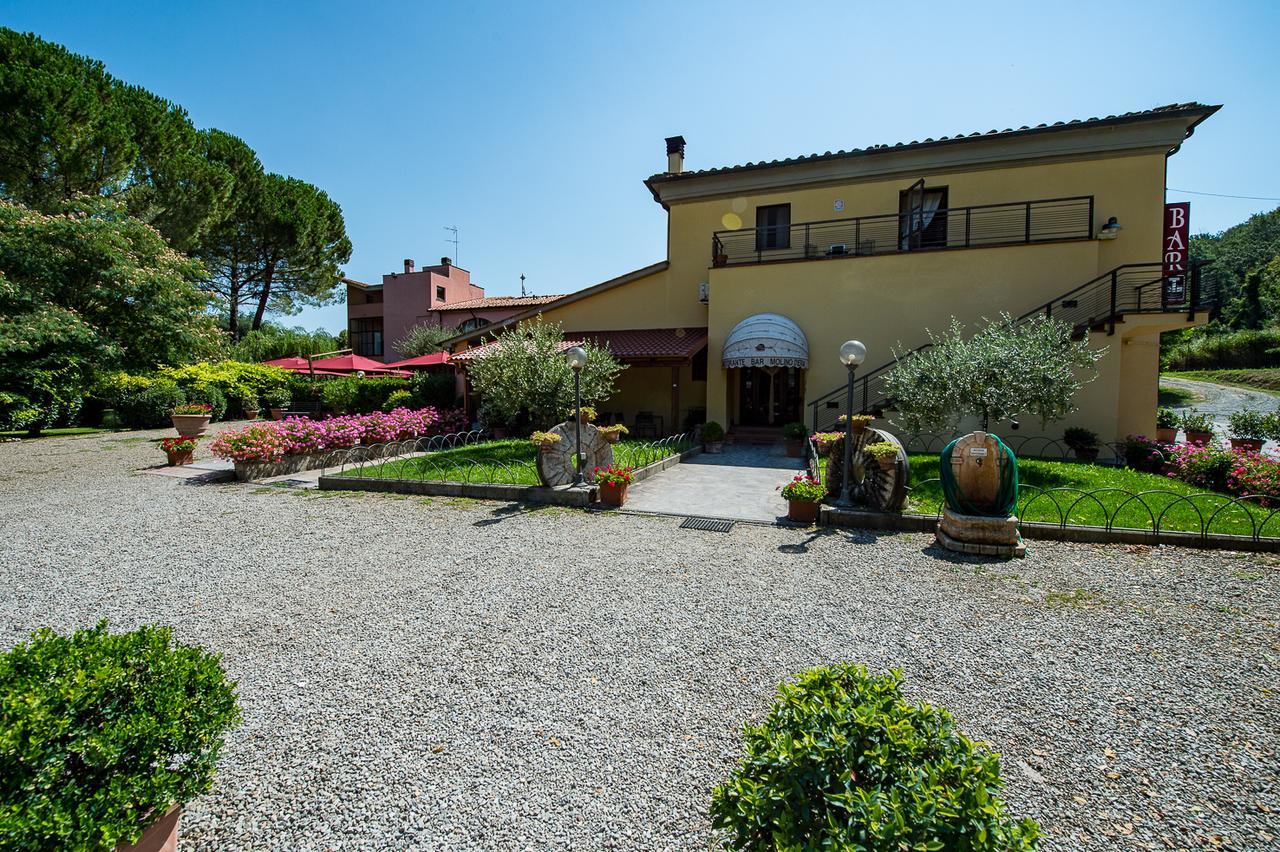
{"x": 380, "y": 315}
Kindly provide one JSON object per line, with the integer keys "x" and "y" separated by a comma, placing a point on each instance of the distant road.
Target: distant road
{"x": 1220, "y": 400}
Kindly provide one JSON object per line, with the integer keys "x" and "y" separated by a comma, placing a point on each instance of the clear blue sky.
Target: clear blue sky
{"x": 531, "y": 125}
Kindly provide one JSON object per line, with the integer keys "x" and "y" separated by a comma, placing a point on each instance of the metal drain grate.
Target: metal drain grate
{"x": 708, "y": 524}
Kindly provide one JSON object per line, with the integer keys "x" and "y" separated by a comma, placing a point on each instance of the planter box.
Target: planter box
{"x": 160, "y": 836}
{"x": 803, "y": 512}
{"x": 178, "y": 459}
{"x": 1199, "y": 437}
{"x": 1166, "y": 435}
{"x": 612, "y": 495}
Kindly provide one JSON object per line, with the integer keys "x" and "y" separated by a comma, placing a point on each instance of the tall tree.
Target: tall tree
{"x": 1236, "y": 252}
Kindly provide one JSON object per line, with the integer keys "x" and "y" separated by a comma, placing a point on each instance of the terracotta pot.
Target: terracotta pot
{"x": 859, "y": 427}
{"x": 889, "y": 463}
{"x": 251, "y": 413}
{"x": 276, "y": 413}
{"x": 612, "y": 437}
{"x": 713, "y": 446}
{"x": 794, "y": 448}
{"x": 190, "y": 425}
{"x": 1088, "y": 454}
{"x": 1166, "y": 435}
{"x": 720, "y": 260}
{"x": 160, "y": 836}
{"x": 803, "y": 511}
{"x": 548, "y": 447}
{"x": 1199, "y": 437}
{"x": 1249, "y": 444}
{"x": 613, "y": 495}
{"x": 823, "y": 447}
{"x": 180, "y": 457}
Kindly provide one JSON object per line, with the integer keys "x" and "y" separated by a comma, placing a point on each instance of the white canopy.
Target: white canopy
{"x": 766, "y": 340}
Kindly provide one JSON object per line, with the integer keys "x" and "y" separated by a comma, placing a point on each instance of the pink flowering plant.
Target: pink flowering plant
{"x": 271, "y": 442}
{"x": 1241, "y": 473}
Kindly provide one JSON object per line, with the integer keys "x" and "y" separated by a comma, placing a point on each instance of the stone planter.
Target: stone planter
{"x": 795, "y": 448}
{"x": 190, "y": 425}
{"x": 1166, "y": 435}
{"x": 802, "y": 511}
{"x": 612, "y": 495}
{"x": 180, "y": 457}
{"x": 160, "y": 836}
{"x": 1199, "y": 437}
{"x": 713, "y": 446}
{"x": 246, "y": 471}
{"x": 1086, "y": 454}
{"x": 1251, "y": 445}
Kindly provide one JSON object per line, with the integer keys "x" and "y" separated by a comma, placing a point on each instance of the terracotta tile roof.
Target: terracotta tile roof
{"x": 490, "y": 302}
{"x": 363, "y": 286}
{"x": 1191, "y": 107}
{"x": 640, "y": 344}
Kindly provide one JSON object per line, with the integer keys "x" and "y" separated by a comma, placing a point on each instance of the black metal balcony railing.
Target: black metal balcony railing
{"x": 1021, "y": 222}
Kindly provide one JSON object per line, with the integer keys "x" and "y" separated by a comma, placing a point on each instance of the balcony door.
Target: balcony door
{"x": 773, "y": 227}
{"x": 922, "y": 217}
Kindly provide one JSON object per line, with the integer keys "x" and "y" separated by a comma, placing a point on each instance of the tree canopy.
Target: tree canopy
{"x": 1003, "y": 371}
{"x": 1236, "y": 253}
{"x": 423, "y": 339}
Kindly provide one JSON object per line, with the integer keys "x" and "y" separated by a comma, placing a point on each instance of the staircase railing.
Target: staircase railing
{"x": 1097, "y": 305}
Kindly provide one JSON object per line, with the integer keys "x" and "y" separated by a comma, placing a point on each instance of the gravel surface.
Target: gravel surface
{"x": 1221, "y": 401}
{"x": 441, "y": 673}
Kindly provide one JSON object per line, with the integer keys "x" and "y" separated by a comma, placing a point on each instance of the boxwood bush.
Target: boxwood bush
{"x": 101, "y": 733}
{"x": 843, "y": 761}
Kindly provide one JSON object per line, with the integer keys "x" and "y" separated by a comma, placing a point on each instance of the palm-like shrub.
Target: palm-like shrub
{"x": 843, "y": 761}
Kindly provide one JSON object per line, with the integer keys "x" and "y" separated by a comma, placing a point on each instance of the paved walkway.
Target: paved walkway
{"x": 743, "y": 483}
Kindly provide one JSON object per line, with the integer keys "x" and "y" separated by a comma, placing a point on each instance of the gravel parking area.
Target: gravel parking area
{"x": 437, "y": 673}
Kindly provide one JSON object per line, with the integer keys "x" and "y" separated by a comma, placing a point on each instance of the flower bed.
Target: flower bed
{"x": 1240, "y": 472}
{"x": 297, "y": 443}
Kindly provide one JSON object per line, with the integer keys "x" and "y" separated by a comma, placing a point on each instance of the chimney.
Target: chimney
{"x": 446, "y": 262}
{"x": 408, "y": 265}
{"x": 675, "y": 154}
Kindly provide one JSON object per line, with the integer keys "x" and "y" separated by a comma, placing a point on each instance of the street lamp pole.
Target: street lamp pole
{"x": 577, "y": 358}
{"x": 852, "y": 353}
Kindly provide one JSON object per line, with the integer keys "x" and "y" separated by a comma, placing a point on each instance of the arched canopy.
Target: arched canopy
{"x": 766, "y": 340}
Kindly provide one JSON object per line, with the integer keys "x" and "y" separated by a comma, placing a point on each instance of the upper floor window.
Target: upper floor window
{"x": 472, "y": 324}
{"x": 373, "y": 296}
{"x": 773, "y": 227}
{"x": 439, "y": 294}
{"x": 923, "y": 217}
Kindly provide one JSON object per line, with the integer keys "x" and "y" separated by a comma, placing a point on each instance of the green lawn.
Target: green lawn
{"x": 1177, "y": 397}
{"x": 1265, "y": 380}
{"x": 1051, "y": 506}
{"x": 509, "y": 462}
{"x": 56, "y": 433}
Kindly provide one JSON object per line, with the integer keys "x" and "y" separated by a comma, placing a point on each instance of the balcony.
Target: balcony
{"x": 1016, "y": 223}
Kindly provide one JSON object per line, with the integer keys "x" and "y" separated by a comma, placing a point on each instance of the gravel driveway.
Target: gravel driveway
{"x": 426, "y": 674}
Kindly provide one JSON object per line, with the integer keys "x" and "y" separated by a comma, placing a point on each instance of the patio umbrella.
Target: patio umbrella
{"x": 432, "y": 359}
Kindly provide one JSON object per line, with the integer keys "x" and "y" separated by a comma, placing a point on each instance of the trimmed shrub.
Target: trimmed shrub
{"x": 141, "y": 402}
{"x": 103, "y": 733}
{"x": 843, "y": 761}
{"x": 398, "y": 399}
{"x": 712, "y": 431}
{"x": 373, "y": 392}
{"x": 233, "y": 379}
{"x": 438, "y": 390}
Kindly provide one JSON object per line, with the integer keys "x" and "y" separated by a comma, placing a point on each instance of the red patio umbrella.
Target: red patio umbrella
{"x": 432, "y": 359}
{"x": 353, "y": 363}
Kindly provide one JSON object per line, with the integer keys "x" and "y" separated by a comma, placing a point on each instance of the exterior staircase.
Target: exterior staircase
{"x": 755, "y": 435}
{"x": 1097, "y": 306}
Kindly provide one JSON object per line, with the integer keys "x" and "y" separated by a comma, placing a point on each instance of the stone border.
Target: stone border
{"x": 856, "y": 519}
{"x": 561, "y": 495}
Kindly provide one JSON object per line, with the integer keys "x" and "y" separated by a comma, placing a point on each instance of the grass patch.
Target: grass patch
{"x": 57, "y": 433}
{"x": 1182, "y": 516}
{"x": 509, "y": 462}
{"x": 1265, "y": 380}
{"x": 1171, "y": 397}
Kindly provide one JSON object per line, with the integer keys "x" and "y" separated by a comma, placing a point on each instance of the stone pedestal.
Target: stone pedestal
{"x": 980, "y": 536}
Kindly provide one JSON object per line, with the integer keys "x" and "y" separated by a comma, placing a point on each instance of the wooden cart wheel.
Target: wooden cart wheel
{"x": 555, "y": 466}
{"x": 871, "y": 485}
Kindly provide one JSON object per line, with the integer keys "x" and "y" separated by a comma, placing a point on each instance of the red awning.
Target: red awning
{"x": 431, "y": 359}
{"x": 631, "y": 346}
{"x": 355, "y": 363}
{"x": 291, "y": 362}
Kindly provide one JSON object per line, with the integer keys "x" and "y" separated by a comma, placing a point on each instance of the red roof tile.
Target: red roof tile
{"x": 490, "y": 302}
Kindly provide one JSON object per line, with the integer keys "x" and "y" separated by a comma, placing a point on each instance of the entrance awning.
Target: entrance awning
{"x": 766, "y": 340}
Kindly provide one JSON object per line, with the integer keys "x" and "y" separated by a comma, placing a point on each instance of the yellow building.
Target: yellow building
{"x": 775, "y": 264}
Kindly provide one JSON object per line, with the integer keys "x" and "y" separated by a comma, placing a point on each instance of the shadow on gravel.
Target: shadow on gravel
{"x": 848, "y": 536}
{"x": 941, "y": 554}
{"x": 514, "y": 510}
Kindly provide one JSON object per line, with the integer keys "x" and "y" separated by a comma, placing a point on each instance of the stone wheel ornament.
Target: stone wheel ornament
{"x": 870, "y": 485}
{"x": 555, "y": 466}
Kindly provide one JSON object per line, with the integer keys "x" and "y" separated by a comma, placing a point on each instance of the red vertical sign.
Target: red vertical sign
{"x": 1175, "y": 251}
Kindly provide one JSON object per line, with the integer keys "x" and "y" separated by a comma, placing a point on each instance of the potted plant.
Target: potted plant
{"x": 1166, "y": 425}
{"x": 804, "y": 498}
{"x": 191, "y": 418}
{"x": 249, "y": 405}
{"x": 860, "y": 422}
{"x": 794, "y": 434}
{"x": 1083, "y": 442}
{"x": 1250, "y": 429}
{"x": 885, "y": 453}
{"x": 1141, "y": 453}
{"x": 278, "y": 401}
{"x": 1198, "y": 426}
{"x": 824, "y": 441}
{"x": 613, "y": 433}
{"x": 586, "y": 414}
{"x": 179, "y": 449}
{"x": 107, "y": 736}
{"x": 613, "y": 481}
{"x": 712, "y": 437}
{"x": 719, "y": 260}
{"x": 545, "y": 441}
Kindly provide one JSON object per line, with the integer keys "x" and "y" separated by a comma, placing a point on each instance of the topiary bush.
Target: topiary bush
{"x": 843, "y": 761}
{"x": 398, "y": 399}
{"x": 103, "y": 732}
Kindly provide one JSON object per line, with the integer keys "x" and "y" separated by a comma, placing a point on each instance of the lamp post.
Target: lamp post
{"x": 577, "y": 358}
{"x": 852, "y": 353}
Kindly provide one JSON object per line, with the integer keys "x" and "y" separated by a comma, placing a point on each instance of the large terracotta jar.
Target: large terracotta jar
{"x": 190, "y": 425}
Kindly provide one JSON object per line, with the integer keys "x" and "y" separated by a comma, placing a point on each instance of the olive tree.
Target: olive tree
{"x": 523, "y": 378}
{"x": 1008, "y": 369}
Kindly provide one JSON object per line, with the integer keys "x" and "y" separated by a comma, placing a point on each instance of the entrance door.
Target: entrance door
{"x": 769, "y": 396}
